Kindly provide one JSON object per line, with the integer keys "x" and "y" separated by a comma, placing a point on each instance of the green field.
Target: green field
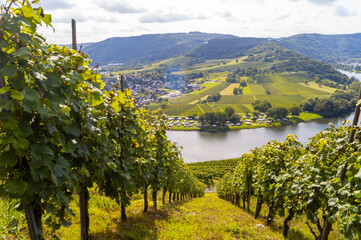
{"x": 284, "y": 91}
{"x": 283, "y": 100}
{"x": 236, "y": 99}
{"x": 257, "y": 89}
{"x": 191, "y": 97}
{"x": 280, "y": 89}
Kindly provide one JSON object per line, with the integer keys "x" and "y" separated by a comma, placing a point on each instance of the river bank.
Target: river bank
{"x": 303, "y": 117}
{"x": 200, "y": 146}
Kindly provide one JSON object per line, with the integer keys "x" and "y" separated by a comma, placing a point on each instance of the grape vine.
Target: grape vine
{"x": 61, "y": 133}
{"x": 306, "y": 180}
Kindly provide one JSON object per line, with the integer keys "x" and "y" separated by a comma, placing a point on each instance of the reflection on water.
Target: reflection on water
{"x": 206, "y": 146}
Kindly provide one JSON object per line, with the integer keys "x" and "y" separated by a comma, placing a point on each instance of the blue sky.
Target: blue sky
{"x": 99, "y": 19}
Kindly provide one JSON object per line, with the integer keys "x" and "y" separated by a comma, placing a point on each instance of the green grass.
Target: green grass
{"x": 272, "y": 88}
{"x": 12, "y": 222}
{"x": 283, "y": 78}
{"x": 298, "y": 89}
{"x": 191, "y": 111}
{"x": 257, "y": 89}
{"x": 178, "y": 109}
{"x": 315, "y": 85}
{"x": 283, "y": 100}
{"x": 192, "y": 97}
{"x": 309, "y": 116}
{"x": 206, "y": 86}
{"x": 296, "y": 78}
{"x": 208, "y": 217}
{"x": 236, "y": 99}
{"x": 229, "y": 89}
{"x": 247, "y": 90}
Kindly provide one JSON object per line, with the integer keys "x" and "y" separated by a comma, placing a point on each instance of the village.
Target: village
{"x": 147, "y": 91}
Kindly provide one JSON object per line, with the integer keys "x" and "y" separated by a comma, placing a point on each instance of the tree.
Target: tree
{"x": 235, "y": 118}
{"x": 237, "y": 91}
{"x": 221, "y": 117}
{"x": 309, "y": 104}
{"x": 262, "y": 106}
{"x": 295, "y": 111}
{"x": 278, "y": 112}
{"x": 243, "y": 83}
{"x": 229, "y": 111}
{"x": 325, "y": 107}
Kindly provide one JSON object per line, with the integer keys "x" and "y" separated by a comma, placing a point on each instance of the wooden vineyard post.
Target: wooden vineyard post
{"x": 84, "y": 193}
{"x": 122, "y": 83}
{"x": 73, "y": 31}
{"x": 84, "y": 214}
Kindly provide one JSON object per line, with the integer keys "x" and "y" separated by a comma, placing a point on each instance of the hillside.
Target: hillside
{"x": 147, "y": 48}
{"x": 206, "y": 46}
{"x": 269, "y": 72}
{"x": 226, "y": 48}
{"x": 325, "y": 47}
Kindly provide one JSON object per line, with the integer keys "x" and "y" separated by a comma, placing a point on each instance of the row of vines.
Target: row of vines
{"x": 61, "y": 133}
{"x": 321, "y": 180}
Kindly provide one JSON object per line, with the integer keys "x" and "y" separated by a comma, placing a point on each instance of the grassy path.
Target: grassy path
{"x": 208, "y": 218}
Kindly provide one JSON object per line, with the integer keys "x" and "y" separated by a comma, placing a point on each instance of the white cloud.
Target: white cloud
{"x": 322, "y": 1}
{"x": 163, "y": 18}
{"x": 98, "y": 19}
{"x": 342, "y": 11}
{"x": 118, "y": 7}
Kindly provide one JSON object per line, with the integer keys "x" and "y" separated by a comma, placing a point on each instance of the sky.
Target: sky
{"x": 98, "y": 20}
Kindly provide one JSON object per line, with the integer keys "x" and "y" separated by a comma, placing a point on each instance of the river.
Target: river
{"x": 199, "y": 146}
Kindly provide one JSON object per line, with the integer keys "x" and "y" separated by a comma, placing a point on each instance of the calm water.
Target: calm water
{"x": 206, "y": 146}
{"x": 351, "y": 74}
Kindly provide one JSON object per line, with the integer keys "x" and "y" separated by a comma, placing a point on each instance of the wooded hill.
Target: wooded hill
{"x": 156, "y": 47}
{"x": 147, "y": 48}
{"x": 325, "y": 47}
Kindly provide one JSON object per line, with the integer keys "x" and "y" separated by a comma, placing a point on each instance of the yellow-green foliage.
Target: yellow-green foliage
{"x": 229, "y": 89}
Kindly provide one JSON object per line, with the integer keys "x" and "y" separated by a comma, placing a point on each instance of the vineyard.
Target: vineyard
{"x": 321, "y": 181}
{"x": 211, "y": 171}
{"x": 61, "y": 134}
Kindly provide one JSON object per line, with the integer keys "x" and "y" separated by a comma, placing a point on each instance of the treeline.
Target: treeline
{"x": 321, "y": 181}
{"x": 275, "y": 112}
{"x": 220, "y": 118}
{"x": 270, "y": 52}
{"x": 192, "y": 76}
{"x": 338, "y": 104}
{"x": 61, "y": 134}
{"x": 235, "y": 76}
{"x": 158, "y": 74}
{"x": 313, "y": 68}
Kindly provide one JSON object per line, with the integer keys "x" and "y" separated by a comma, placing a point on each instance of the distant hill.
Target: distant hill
{"x": 226, "y": 48}
{"x": 324, "y": 47}
{"x": 206, "y": 46}
{"x": 147, "y": 48}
